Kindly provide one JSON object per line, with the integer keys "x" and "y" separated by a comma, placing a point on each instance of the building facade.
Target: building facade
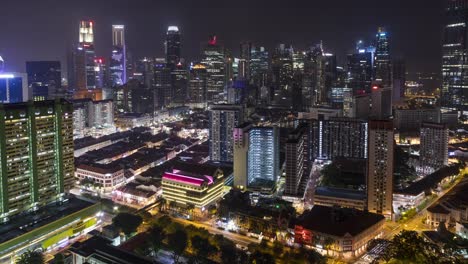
{"x": 223, "y": 120}
{"x": 433, "y": 154}
{"x": 14, "y": 88}
{"x": 118, "y": 62}
{"x": 380, "y": 168}
{"x": 297, "y": 161}
{"x": 36, "y": 146}
{"x": 44, "y": 79}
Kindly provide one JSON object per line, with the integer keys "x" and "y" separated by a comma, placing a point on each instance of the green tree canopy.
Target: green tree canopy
{"x": 127, "y": 222}
{"x": 30, "y": 257}
{"x": 177, "y": 242}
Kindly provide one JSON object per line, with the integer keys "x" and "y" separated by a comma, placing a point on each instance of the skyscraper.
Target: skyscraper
{"x": 360, "y": 69}
{"x": 297, "y": 161}
{"x": 214, "y": 61}
{"x": 398, "y": 79}
{"x": 223, "y": 120}
{"x": 434, "y": 147}
{"x": 82, "y": 75}
{"x": 44, "y": 78}
{"x": 197, "y": 85}
{"x": 162, "y": 84}
{"x": 454, "y": 51}
{"x": 380, "y": 168}
{"x": 244, "y": 61}
{"x": 2, "y": 64}
{"x": 14, "y": 88}
{"x": 259, "y": 66}
{"x": 172, "y": 46}
{"x": 381, "y": 98}
{"x": 263, "y": 159}
{"x": 118, "y": 63}
{"x": 383, "y": 70}
{"x": 179, "y": 81}
{"x": 241, "y": 148}
{"x": 37, "y": 155}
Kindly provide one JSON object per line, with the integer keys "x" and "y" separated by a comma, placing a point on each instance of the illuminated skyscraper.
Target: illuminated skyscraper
{"x": 454, "y": 52}
{"x": 162, "y": 84}
{"x": 263, "y": 159}
{"x": 118, "y": 63}
{"x": 259, "y": 65}
{"x": 214, "y": 61}
{"x": 223, "y": 120}
{"x": 434, "y": 147}
{"x": 37, "y": 155}
{"x": 172, "y": 45}
{"x": 2, "y": 64}
{"x": 14, "y": 88}
{"x": 179, "y": 81}
{"x": 361, "y": 69}
{"x": 244, "y": 61}
{"x": 82, "y": 74}
{"x": 380, "y": 168}
{"x": 197, "y": 85}
{"x": 383, "y": 69}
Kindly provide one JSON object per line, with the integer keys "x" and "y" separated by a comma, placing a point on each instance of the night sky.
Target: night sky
{"x": 45, "y": 29}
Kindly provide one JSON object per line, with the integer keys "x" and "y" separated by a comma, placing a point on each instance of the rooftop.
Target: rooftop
{"x": 338, "y": 221}
{"x": 340, "y": 193}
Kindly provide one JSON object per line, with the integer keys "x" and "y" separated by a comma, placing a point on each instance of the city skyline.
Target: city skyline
{"x": 302, "y": 25}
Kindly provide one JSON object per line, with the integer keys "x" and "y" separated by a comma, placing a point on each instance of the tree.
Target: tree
{"x": 162, "y": 204}
{"x": 172, "y": 205}
{"x": 127, "y": 222}
{"x": 259, "y": 257}
{"x": 328, "y": 243}
{"x": 163, "y": 221}
{"x": 277, "y": 248}
{"x": 157, "y": 236}
{"x": 202, "y": 247}
{"x": 146, "y": 216}
{"x": 177, "y": 242}
{"x": 30, "y": 257}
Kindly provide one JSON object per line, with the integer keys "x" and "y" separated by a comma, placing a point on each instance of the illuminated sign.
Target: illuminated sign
{"x": 6, "y": 76}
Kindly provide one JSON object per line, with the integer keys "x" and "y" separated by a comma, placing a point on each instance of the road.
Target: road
{"x": 236, "y": 238}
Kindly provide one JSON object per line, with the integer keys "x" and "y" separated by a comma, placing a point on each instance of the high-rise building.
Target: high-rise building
{"x": 214, "y": 61}
{"x": 172, "y": 46}
{"x": 14, "y": 88}
{"x": 339, "y": 138}
{"x": 434, "y": 147}
{"x": 118, "y": 62}
{"x": 380, "y": 168}
{"x": 263, "y": 159}
{"x": 244, "y": 61}
{"x": 162, "y": 84}
{"x": 381, "y": 98}
{"x": 82, "y": 75}
{"x": 101, "y": 72}
{"x": 297, "y": 161}
{"x": 223, "y": 120}
{"x": 259, "y": 66}
{"x": 37, "y": 155}
{"x": 241, "y": 149}
{"x": 197, "y": 85}
{"x": 2, "y": 64}
{"x": 44, "y": 79}
{"x": 357, "y": 106}
{"x": 282, "y": 73}
{"x": 383, "y": 69}
{"x": 179, "y": 80}
{"x": 398, "y": 79}
{"x": 361, "y": 68}
{"x": 454, "y": 50}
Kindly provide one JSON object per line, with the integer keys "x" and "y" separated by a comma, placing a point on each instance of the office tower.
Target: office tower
{"x": 434, "y": 147}
{"x": 339, "y": 138}
{"x": 93, "y": 118}
{"x": 298, "y": 58}
{"x": 37, "y": 155}
{"x": 223, "y": 119}
{"x": 454, "y": 50}
{"x": 381, "y": 98}
{"x": 244, "y": 61}
{"x": 101, "y": 72}
{"x": 383, "y": 69}
{"x": 82, "y": 75}
{"x": 214, "y": 61}
{"x": 360, "y": 69}
{"x": 118, "y": 62}
{"x": 259, "y": 66}
{"x": 398, "y": 80}
{"x": 144, "y": 72}
{"x": 179, "y": 81}
{"x": 14, "y": 88}
{"x": 319, "y": 76}
{"x": 241, "y": 148}
{"x": 162, "y": 85}
{"x": 44, "y": 79}
{"x": 197, "y": 85}
{"x": 263, "y": 159}
{"x": 297, "y": 161}
{"x": 380, "y": 168}
{"x": 282, "y": 73}
{"x": 172, "y": 46}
